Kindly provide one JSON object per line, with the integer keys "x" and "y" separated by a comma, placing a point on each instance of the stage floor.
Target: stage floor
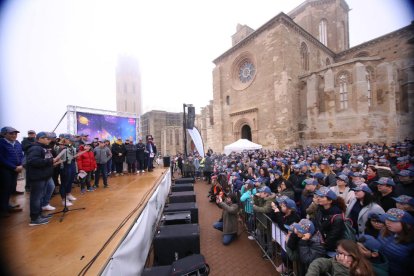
{"x": 64, "y": 248}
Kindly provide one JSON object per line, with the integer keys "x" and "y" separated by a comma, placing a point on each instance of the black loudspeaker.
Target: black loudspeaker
{"x": 182, "y": 187}
{"x": 181, "y": 197}
{"x": 182, "y": 217}
{"x": 190, "y": 117}
{"x": 164, "y": 270}
{"x": 187, "y": 206}
{"x": 166, "y": 160}
{"x": 185, "y": 180}
{"x": 190, "y": 266}
{"x": 173, "y": 242}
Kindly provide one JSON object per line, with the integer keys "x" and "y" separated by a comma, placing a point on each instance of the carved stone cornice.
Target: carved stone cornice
{"x": 241, "y": 112}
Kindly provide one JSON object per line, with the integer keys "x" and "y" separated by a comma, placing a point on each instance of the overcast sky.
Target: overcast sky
{"x": 59, "y": 53}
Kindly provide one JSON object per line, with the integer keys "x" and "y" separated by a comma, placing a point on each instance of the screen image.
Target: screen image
{"x": 106, "y": 126}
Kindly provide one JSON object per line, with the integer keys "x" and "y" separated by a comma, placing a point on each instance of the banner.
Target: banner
{"x": 198, "y": 141}
{"x": 129, "y": 258}
{"x": 106, "y": 126}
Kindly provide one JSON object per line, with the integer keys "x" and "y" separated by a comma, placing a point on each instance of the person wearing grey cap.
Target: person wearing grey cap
{"x": 68, "y": 169}
{"x": 11, "y": 157}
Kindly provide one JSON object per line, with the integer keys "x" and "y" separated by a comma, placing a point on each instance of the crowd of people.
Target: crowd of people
{"x": 52, "y": 164}
{"x": 345, "y": 209}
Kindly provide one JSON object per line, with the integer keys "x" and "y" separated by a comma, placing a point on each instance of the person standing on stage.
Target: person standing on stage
{"x": 68, "y": 168}
{"x": 131, "y": 155}
{"x": 11, "y": 157}
{"x": 152, "y": 151}
{"x": 118, "y": 156}
{"x": 39, "y": 173}
{"x": 102, "y": 155}
{"x": 140, "y": 155}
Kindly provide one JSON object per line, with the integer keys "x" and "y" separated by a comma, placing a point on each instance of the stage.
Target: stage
{"x": 64, "y": 248}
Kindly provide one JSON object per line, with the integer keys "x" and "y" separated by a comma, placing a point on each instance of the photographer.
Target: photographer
{"x": 229, "y": 222}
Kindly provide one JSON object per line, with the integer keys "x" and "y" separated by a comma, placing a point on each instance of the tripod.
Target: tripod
{"x": 65, "y": 207}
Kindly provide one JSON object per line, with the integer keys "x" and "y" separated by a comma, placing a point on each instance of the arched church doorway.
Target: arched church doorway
{"x": 246, "y": 132}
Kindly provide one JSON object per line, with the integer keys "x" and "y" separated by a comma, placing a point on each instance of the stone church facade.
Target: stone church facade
{"x": 294, "y": 82}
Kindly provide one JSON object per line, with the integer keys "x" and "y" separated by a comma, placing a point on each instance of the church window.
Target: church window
{"x": 343, "y": 91}
{"x": 228, "y": 100}
{"x": 246, "y": 71}
{"x": 304, "y": 54}
{"x": 328, "y": 62}
{"x": 323, "y": 37}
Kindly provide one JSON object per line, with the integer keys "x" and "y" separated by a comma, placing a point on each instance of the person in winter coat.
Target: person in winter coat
{"x": 285, "y": 213}
{"x": 330, "y": 176}
{"x": 307, "y": 195}
{"x": 118, "y": 155}
{"x": 229, "y": 223}
{"x": 86, "y": 166}
{"x": 370, "y": 247}
{"x": 278, "y": 178}
{"x": 247, "y": 192}
{"x": 131, "y": 155}
{"x": 303, "y": 239}
{"x": 151, "y": 150}
{"x": 342, "y": 188}
{"x": 262, "y": 201}
{"x": 374, "y": 224}
{"x": 39, "y": 173}
{"x": 397, "y": 241}
{"x": 140, "y": 156}
{"x": 359, "y": 208}
{"x": 331, "y": 229}
{"x": 347, "y": 261}
{"x": 285, "y": 188}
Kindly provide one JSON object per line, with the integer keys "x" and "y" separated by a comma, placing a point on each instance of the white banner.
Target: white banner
{"x": 129, "y": 258}
{"x": 198, "y": 141}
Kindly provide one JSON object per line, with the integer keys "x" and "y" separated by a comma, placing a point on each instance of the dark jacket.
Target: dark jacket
{"x": 118, "y": 152}
{"x": 381, "y": 268}
{"x": 230, "y": 218}
{"x": 131, "y": 155}
{"x": 308, "y": 250}
{"x": 325, "y": 266}
{"x": 154, "y": 149}
{"x": 333, "y": 231}
{"x": 282, "y": 220}
{"x": 38, "y": 167}
{"x": 11, "y": 156}
{"x": 140, "y": 151}
{"x": 306, "y": 201}
{"x": 26, "y": 143}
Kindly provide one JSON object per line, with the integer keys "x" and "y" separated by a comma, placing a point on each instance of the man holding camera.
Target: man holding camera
{"x": 229, "y": 222}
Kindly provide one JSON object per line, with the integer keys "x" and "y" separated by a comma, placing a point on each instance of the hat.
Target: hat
{"x": 405, "y": 199}
{"x": 9, "y": 129}
{"x": 311, "y": 181}
{"x": 289, "y": 203}
{"x": 278, "y": 172}
{"x": 369, "y": 242}
{"x": 119, "y": 138}
{"x": 325, "y": 162}
{"x": 363, "y": 187}
{"x": 83, "y": 134}
{"x": 52, "y": 135}
{"x": 354, "y": 174}
{"x": 265, "y": 189}
{"x": 42, "y": 134}
{"x": 319, "y": 175}
{"x": 343, "y": 177}
{"x": 375, "y": 215}
{"x": 31, "y": 132}
{"x": 281, "y": 199}
{"x": 406, "y": 173}
{"x": 326, "y": 192}
{"x": 398, "y": 215}
{"x": 304, "y": 226}
{"x": 385, "y": 181}
{"x": 297, "y": 166}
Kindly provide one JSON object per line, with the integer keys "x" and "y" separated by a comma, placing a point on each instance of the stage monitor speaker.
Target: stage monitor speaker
{"x": 190, "y": 117}
{"x": 182, "y": 217}
{"x": 182, "y": 187}
{"x": 187, "y": 206}
{"x": 184, "y": 180}
{"x": 181, "y": 197}
{"x": 164, "y": 270}
{"x": 173, "y": 242}
{"x": 167, "y": 161}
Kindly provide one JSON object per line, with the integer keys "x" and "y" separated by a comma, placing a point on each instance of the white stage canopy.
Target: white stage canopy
{"x": 240, "y": 145}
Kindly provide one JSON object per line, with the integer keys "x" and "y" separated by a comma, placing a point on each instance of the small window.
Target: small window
{"x": 328, "y": 62}
{"x": 304, "y": 54}
{"x": 228, "y": 100}
{"x": 323, "y": 38}
{"x": 343, "y": 91}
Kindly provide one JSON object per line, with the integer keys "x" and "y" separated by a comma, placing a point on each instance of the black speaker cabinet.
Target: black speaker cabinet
{"x": 182, "y": 188}
{"x": 173, "y": 242}
{"x": 164, "y": 270}
{"x": 166, "y": 161}
{"x": 181, "y": 217}
{"x": 181, "y": 197}
{"x": 187, "y": 206}
{"x": 185, "y": 180}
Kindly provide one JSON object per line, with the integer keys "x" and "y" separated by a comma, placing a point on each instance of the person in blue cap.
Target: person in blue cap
{"x": 311, "y": 185}
{"x": 386, "y": 186}
{"x": 405, "y": 183}
{"x": 370, "y": 248}
{"x": 397, "y": 241}
{"x": 304, "y": 239}
{"x": 284, "y": 213}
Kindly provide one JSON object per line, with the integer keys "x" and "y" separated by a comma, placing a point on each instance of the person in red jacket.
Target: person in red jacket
{"x": 86, "y": 165}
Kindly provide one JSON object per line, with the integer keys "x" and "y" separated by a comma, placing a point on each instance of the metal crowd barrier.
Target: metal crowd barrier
{"x": 270, "y": 239}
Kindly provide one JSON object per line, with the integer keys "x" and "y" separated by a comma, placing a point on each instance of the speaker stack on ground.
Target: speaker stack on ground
{"x": 176, "y": 243}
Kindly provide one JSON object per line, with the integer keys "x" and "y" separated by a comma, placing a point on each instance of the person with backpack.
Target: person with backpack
{"x": 359, "y": 208}
{"x": 331, "y": 228}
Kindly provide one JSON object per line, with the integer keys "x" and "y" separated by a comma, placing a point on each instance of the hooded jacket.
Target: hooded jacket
{"x": 331, "y": 232}
{"x": 38, "y": 166}
{"x": 86, "y": 162}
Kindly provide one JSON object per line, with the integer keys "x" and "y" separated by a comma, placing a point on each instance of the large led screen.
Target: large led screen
{"x": 106, "y": 126}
